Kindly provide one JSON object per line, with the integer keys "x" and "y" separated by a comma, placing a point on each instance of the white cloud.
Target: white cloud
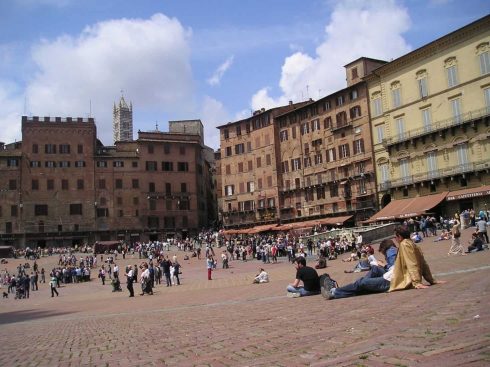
{"x": 356, "y": 28}
{"x": 213, "y": 114}
{"x": 215, "y": 79}
{"x": 10, "y": 114}
{"x": 148, "y": 59}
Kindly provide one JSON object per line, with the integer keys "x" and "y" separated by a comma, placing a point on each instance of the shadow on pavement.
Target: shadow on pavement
{"x": 28, "y": 315}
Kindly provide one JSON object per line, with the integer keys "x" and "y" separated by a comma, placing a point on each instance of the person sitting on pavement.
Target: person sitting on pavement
{"x": 352, "y": 257}
{"x": 476, "y": 244}
{"x": 322, "y": 263}
{"x": 262, "y": 277}
{"x": 407, "y": 272}
{"x": 307, "y": 275}
{"x": 362, "y": 265}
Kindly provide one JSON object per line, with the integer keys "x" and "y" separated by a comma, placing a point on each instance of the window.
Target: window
{"x": 64, "y": 148}
{"x": 80, "y": 164}
{"x": 169, "y": 222}
{"x": 151, "y": 149}
{"x": 344, "y": 151}
{"x": 377, "y": 107}
{"x": 358, "y": 146}
{"x": 355, "y": 112}
{"x": 168, "y": 188}
{"x": 380, "y": 133}
{"x": 362, "y": 187}
{"x": 293, "y": 132}
{"x": 423, "y": 91}
{"x": 238, "y": 130}
{"x": 228, "y": 151}
{"x": 13, "y": 210}
{"x": 241, "y": 188}
{"x": 462, "y": 154}
{"x": 426, "y": 119}
{"x": 404, "y": 169}
{"x": 80, "y": 149}
{"x": 102, "y": 212}
{"x": 50, "y": 164}
{"x": 119, "y": 183}
{"x": 35, "y": 185}
{"x": 151, "y": 166}
{"x": 182, "y": 149}
{"x": 318, "y": 159}
{"x": 50, "y": 184}
{"x": 183, "y": 166}
{"x": 452, "y": 76}
{"x": 35, "y": 148}
{"x": 134, "y": 164}
{"x": 486, "y": 93}
{"x": 340, "y": 100}
{"x": 283, "y": 135}
{"x": 250, "y": 186}
{"x": 285, "y": 166}
{"x": 240, "y": 167}
{"x": 259, "y": 162}
{"x": 226, "y": 133}
{"x": 167, "y": 166}
{"x": 239, "y": 148}
{"x": 118, "y": 164}
{"x": 353, "y": 94}
{"x": 229, "y": 190}
{"x": 35, "y": 164}
{"x": 295, "y": 164}
{"x": 12, "y": 184}
{"x": 151, "y": 187}
{"x": 396, "y": 99}
{"x": 136, "y": 200}
{"x": 259, "y": 184}
{"x": 354, "y": 73}
{"x": 135, "y": 183}
{"x": 331, "y": 155}
{"x": 75, "y": 209}
{"x": 327, "y": 123}
{"x": 166, "y": 148}
{"x": 432, "y": 164}
{"x": 50, "y": 148}
{"x": 102, "y": 164}
{"x": 456, "y": 107}
{"x": 40, "y": 209}
{"x": 80, "y": 184}
{"x": 271, "y": 203}
{"x": 152, "y": 204}
{"x": 247, "y": 128}
{"x": 228, "y": 169}
{"x": 250, "y": 166}
{"x": 64, "y": 184}
{"x": 385, "y": 172}
{"x": 341, "y": 118}
{"x": 12, "y": 162}
{"x": 183, "y": 187}
{"x": 306, "y": 162}
{"x": 102, "y": 184}
{"x": 305, "y": 128}
{"x": 249, "y": 146}
{"x": 315, "y": 125}
{"x": 268, "y": 159}
{"x": 484, "y": 62}
{"x": 64, "y": 164}
{"x": 400, "y": 128}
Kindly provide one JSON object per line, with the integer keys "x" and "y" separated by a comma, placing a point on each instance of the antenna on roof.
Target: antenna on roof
{"x": 307, "y": 91}
{"x": 90, "y": 111}
{"x": 156, "y": 125}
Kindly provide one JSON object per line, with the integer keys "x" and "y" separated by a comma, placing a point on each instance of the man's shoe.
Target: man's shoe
{"x": 293, "y": 295}
{"x": 326, "y": 286}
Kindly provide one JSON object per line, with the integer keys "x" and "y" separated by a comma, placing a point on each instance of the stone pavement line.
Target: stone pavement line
{"x": 463, "y": 271}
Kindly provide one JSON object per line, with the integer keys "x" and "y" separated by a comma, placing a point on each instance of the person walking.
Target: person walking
{"x": 209, "y": 264}
{"x": 52, "y": 285}
{"x": 130, "y": 280}
{"x": 456, "y": 247}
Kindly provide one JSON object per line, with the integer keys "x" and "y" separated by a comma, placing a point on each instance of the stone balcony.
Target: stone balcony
{"x": 436, "y": 174}
{"x": 461, "y": 120}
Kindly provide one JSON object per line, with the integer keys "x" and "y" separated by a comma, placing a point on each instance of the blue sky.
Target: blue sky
{"x": 216, "y": 60}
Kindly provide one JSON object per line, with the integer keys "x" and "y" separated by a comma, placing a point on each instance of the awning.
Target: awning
{"x": 407, "y": 208}
{"x": 468, "y": 193}
{"x": 335, "y": 221}
{"x": 258, "y": 229}
{"x": 312, "y": 223}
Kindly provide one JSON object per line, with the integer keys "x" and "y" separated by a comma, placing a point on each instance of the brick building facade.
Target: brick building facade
{"x": 61, "y": 186}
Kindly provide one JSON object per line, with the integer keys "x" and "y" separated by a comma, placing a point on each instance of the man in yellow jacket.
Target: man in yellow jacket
{"x": 408, "y": 271}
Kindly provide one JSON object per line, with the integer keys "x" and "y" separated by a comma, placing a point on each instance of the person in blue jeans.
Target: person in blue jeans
{"x": 306, "y": 275}
{"x": 377, "y": 280}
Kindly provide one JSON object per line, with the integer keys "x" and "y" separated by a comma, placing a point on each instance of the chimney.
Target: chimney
{"x": 2, "y": 145}
{"x": 290, "y": 103}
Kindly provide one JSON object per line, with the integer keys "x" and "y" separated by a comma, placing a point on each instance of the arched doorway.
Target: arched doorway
{"x": 385, "y": 200}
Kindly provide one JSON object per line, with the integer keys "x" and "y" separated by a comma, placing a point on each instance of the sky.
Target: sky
{"x": 213, "y": 60}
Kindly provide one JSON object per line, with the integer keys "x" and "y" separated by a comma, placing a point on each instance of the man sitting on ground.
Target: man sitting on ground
{"x": 307, "y": 275}
{"x": 407, "y": 272}
{"x": 476, "y": 244}
{"x": 262, "y": 277}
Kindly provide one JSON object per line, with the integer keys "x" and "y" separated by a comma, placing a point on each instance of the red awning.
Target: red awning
{"x": 407, "y": 208}
{"x": 468, "y": 193}
{"x": 312, "y": 223}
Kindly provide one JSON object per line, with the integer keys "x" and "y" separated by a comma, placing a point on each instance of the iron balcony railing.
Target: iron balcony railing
{"x": 436, "y": 174}
{"x": 437, "y": 126}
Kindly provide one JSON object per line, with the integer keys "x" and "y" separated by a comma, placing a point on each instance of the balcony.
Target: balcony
{"x": 436, "y": 174}
{"x": 337, "y": 127}
{"x": 435, "y": 127}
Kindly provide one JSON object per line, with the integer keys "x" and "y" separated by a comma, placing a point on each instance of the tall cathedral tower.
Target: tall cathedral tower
{"x": 122, "y": 121}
